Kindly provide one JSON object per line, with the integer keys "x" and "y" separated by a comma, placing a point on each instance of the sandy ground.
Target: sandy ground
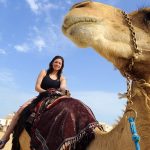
{"x": 8, "y": 145}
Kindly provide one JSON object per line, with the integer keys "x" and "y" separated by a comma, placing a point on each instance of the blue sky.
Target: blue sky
{"x": 30, "y": 36}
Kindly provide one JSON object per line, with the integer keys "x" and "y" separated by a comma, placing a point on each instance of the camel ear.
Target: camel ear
{"x": 81, "y": 4}
{"x": 147, "y": 18}
{"x": 141, "y": 18}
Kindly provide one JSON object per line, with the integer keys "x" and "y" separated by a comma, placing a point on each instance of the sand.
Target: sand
{"x": 8, "y": 144}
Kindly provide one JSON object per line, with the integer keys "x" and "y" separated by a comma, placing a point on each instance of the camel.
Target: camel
{"x": 104, "y": 28}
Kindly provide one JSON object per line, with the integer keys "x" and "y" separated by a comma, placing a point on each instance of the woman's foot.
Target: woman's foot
{"x": 2, "y": 143}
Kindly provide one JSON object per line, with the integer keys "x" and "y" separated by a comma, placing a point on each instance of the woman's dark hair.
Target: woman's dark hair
{"x": 50, "y": 69}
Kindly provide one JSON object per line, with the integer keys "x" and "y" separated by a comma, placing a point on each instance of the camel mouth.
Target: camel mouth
{"x": 70, "y": 22}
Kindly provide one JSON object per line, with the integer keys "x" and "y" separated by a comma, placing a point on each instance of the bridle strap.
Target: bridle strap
{"x": 136, "y": 52}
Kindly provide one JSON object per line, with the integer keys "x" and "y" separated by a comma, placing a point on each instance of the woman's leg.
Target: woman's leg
{"x": 13, "y": 123}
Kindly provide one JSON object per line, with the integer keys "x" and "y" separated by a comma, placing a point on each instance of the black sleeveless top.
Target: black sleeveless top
{"x": 47, "y": 83}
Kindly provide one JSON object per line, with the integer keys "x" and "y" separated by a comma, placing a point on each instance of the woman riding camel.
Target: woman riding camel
{"x": 50, "y": 79}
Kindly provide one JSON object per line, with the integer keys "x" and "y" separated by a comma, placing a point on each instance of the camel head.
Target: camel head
{"x": 103, "y": 27}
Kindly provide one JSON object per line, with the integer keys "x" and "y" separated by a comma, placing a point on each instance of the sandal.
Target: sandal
{"x": 2, "y": 143}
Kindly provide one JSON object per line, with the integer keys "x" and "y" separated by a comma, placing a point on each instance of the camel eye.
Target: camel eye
{"x": 147, "y": 18}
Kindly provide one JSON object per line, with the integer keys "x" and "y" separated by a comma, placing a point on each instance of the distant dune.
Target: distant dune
{"x": 8, "y": 145}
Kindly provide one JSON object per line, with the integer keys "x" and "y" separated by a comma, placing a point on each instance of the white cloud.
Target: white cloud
{"x": 2, "y": 51}
{"x": 45, "y": 38}
{"x": 22, "y": 48}
{"x": 6, "y": 76}
{"x": 41, "y": 6}
{"x": 48, "y": 6}
{"x": 33, "y": 5}
{"x": 7, "y": 79}
{"x": 39, "y": 42}
{"x": 36, "y": 41}
{"x": 35, "y": 29}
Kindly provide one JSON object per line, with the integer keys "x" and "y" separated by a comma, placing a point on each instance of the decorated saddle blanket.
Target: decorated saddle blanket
{"x": 59, "y": 123}
{"x": 67, "y": 122}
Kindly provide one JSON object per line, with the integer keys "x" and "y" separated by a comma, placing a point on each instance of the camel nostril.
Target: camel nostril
{"x": 81, "y": 4}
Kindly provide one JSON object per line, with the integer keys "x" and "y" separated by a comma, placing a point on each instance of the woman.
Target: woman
{"x": 50, "y": 79}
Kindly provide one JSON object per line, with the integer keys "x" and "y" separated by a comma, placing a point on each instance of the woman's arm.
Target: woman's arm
{"x": 63, "y": 84}
{"x": 39, "y": 80}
